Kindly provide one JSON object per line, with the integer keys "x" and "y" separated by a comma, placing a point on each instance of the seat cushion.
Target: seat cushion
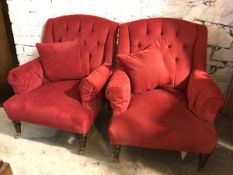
{"x": 161, "y": 119}
{"x": 55, "y": 105}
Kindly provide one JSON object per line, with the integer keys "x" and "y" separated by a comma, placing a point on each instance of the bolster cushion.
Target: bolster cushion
{"x": 91, "y": 86}
{"x": 118, "y": 92}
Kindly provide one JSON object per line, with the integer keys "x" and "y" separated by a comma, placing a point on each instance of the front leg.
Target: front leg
{"x": 17, "y": 126}
{"x": 82, "y": 143}
{"x": 116, "y": 152}
{"x": 203, "y": 158}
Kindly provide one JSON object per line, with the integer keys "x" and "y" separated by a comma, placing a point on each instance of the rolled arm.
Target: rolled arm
{"x": 118, "y": 92}
{"x": 26, "y": 77}
{"x": 91, "y": 86}
{"x": 204, "y": 97}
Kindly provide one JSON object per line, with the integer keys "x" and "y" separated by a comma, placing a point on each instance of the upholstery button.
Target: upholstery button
{"x": 177, "y": 33}
{"x": 169, "y": 46}
{"x": 139, "y": 45}
{"x": 84, "y": 42}
{"x": 161, "y": 33}
{"x": 177, "y": 59}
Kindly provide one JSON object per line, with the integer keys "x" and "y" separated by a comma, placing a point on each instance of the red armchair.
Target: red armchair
{"x": 70, "y": 105}
{"x": 179, "y": 117}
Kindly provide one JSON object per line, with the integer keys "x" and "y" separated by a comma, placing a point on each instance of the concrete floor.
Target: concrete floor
{"x": 46, "y": 151}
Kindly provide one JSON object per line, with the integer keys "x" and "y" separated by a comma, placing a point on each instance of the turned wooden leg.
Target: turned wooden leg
{"x": 203, "y": 158}
{"x": 17, "y": 126}
{"x": 116, "y": 152}
{"x": 82, "y": 143}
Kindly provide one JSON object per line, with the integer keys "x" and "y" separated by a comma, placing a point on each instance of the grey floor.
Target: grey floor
{"x": 46, "y": 151}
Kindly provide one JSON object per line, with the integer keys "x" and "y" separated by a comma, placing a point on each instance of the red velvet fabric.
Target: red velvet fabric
{"x": 179, "y": 117}
{"x": 61, "y": 61}
{"x": 204, "y": 97}
{"x": 146, "y": 69}
{"x": 161, "y": 119}
{"x": 55, "y": 105}
{"x": 97, "y": 37}
{"x": 91, "y": 86}
{"x": 118, "y": 92}
{"x": 180, "y": 40}
{"x": 27, "y": 77}
{"x": 58, "y": 104}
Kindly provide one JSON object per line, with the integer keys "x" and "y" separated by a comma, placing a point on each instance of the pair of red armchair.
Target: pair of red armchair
{"x": 178, "y": 116}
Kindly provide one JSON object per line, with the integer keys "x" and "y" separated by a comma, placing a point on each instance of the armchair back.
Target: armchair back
{"x": 183, "y": 43}
{"x": 96, "y": 37}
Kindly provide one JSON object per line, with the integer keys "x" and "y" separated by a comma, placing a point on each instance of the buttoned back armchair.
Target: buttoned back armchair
{"x": 70, "y": 105}
{"x": 179, "y": 117}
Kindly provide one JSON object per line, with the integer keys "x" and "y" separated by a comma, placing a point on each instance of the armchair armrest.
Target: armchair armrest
{"x": 92, "y": 85}
{"x": 26, "y": 77}
{"x": 204, "y": 97}
{"x": 118, "y": 92}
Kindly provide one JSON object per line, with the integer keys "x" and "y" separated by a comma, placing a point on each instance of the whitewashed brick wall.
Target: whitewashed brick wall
{"x": 29, "y": 16}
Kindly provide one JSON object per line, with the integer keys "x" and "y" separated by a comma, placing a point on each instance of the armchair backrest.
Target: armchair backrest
{"x": 97, "y": 37}
{"x": 184, "y": 44}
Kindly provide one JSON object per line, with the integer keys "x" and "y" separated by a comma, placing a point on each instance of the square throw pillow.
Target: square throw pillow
{"x": 146, "y": 69}
{"x": 61, "y": 61}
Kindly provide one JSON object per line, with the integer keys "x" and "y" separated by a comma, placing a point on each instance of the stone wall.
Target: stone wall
{"x": 28, "y": 18}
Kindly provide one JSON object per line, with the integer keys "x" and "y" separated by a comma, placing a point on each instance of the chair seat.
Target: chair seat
{"x": 161, "y": 119}
{"x": 54, "y": 105}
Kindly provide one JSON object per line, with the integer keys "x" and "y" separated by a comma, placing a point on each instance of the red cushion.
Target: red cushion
{"x": 161, "y": 119}
{"x": 55, "y": 105}
{"x": 146, "y": 69}
{"x": 61, "y": 61}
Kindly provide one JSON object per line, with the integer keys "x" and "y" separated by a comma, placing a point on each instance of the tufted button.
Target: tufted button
{"x": 169, "y": 46}
{"x": 177, "y": 59}
{"x": 177, "y": 33}
{"x": 84, "y": 42}
{"x": 139, "y": 45}
{"x": 161, "y": 33}
{"x": 79, "y": 29}
{"x": 184, "y": 46}
{"x": 90, "y": 56}
{"x": 59, "y": 40}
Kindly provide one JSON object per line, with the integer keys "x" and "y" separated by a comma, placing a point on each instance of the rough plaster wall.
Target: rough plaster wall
{"x": 28, "y": 18}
